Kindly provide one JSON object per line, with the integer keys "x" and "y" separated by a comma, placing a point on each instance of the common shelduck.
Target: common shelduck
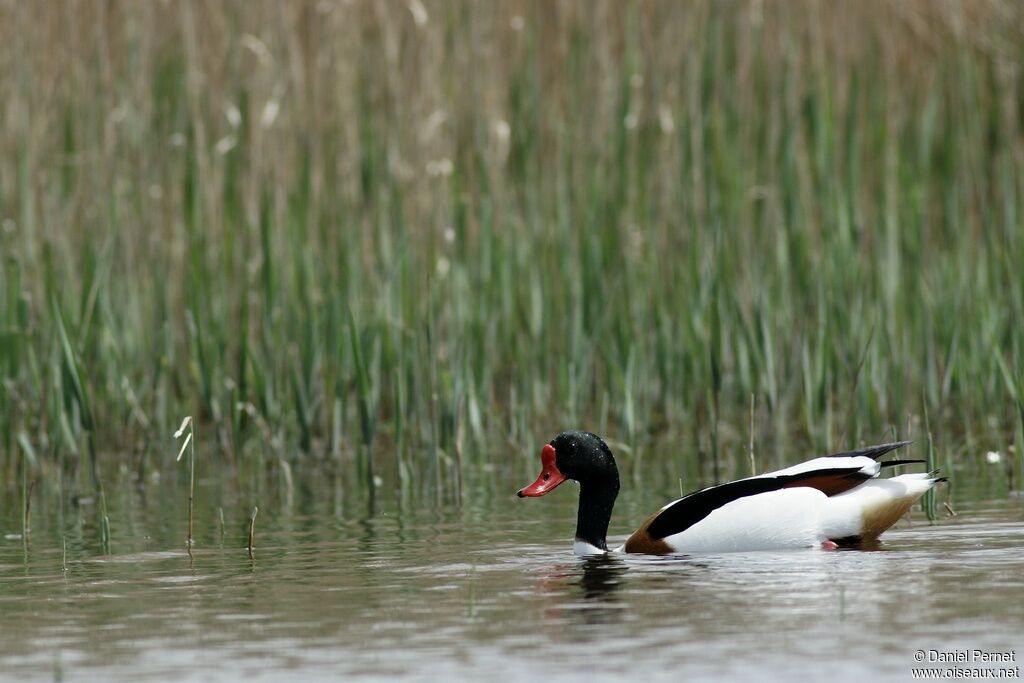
{"x": 828, "y": 501}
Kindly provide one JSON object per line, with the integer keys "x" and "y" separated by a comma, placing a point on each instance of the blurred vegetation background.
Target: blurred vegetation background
{"x": 408, "y": 241}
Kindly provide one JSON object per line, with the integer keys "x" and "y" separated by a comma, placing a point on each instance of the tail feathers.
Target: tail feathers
{"x": 917, "y": 483}
{"x": 902, "y": 492}
{"x": 865, "y": 512}
{"x": 873, "y": 452}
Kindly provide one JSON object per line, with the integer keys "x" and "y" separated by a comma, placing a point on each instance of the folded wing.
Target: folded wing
{"x": 832, "y": 475}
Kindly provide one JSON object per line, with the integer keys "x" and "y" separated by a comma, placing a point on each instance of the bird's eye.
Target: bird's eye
{"x": 546, "y": 476}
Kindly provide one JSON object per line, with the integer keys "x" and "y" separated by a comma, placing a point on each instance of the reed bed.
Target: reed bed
{"x": 406, "y": 239}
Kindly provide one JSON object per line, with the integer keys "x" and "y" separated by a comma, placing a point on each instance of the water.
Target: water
{"x": 491, "y": 591}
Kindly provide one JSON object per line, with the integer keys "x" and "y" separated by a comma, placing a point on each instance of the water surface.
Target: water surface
{"x": 472, "y": 593}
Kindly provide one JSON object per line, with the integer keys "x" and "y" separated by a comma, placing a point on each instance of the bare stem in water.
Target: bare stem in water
{"x": 252, "y": 528}
{"x": 28, "y": 459}
{"x": 753, "y": 469}
{"x": 26, "y": 500}
{"x": 191, "y": 487}
{"x": 189, "y": 443}
{"x": 28, "y": 507}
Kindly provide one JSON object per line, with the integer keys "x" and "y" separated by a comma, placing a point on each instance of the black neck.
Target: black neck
{"x": 595, "y": 512}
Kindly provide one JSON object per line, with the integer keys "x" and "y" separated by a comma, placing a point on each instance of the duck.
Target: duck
{"x": 827, "y": 502}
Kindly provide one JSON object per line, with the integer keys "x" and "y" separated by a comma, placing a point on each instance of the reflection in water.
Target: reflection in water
{"x": 583, "y": 591}
{"x": 601, "y": 576}
{"x": 868, "y": 545}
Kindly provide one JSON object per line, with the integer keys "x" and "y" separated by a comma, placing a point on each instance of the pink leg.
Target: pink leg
{"x": 829, "y": 545}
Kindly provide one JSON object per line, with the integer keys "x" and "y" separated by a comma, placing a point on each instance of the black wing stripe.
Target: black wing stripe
{"x": 894, "y": 463}
{"x": 687, "y": 511}
{"x": 873, "y": 452}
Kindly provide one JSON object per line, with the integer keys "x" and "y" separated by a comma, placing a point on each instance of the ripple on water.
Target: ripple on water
{"x": 433, "y": 600}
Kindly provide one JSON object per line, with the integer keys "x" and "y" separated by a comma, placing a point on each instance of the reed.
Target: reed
{"x": 189, "y": 443}
{"x": 415, "y": 242}
{"x": 252, "y": 531}
{"x": 28, "y": 462}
